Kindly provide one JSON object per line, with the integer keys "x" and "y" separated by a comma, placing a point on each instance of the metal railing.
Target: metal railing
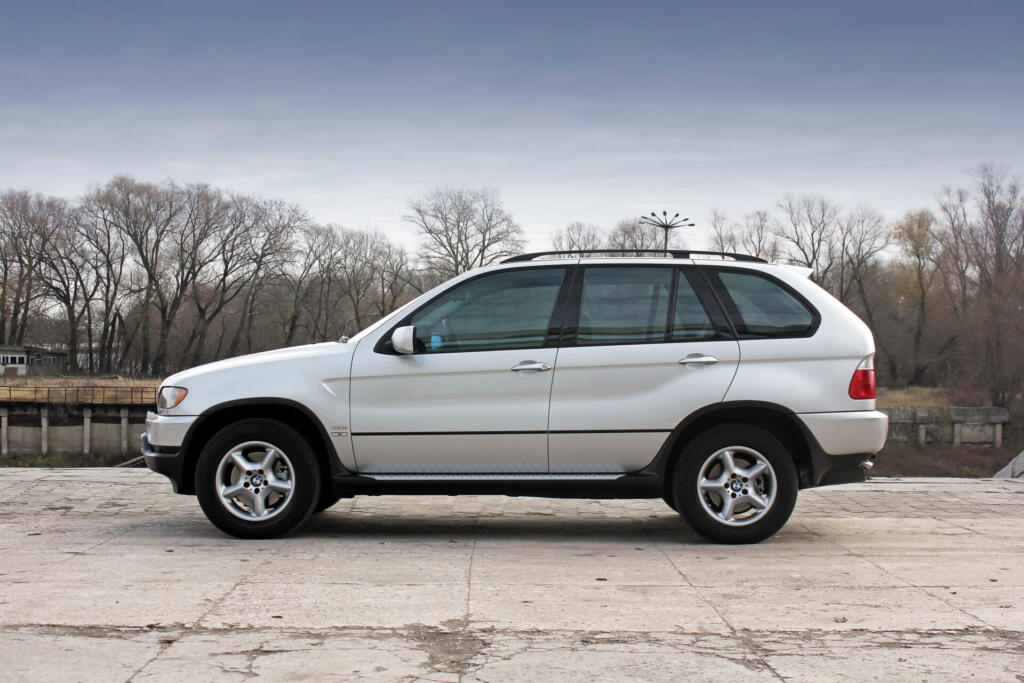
{"x": 137, "y": 396}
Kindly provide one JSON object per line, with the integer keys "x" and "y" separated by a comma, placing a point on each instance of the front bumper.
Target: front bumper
{"x": 164, "y": 461}
{"x": 168, "y": 431}
{"x": 161, "y": 446}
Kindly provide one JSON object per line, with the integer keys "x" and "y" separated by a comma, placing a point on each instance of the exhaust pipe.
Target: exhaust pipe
{"x": 867, "y": 464}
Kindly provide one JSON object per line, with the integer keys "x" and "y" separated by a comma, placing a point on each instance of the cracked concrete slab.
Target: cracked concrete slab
{"x": 106, "y": 575}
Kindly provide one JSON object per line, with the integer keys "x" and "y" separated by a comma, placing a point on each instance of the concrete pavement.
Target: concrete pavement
{"x": 106, "y": 575}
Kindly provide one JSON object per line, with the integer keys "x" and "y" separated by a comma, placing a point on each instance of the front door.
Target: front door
{"x": 649, "y": 351}
{"x": 474, "y": 397}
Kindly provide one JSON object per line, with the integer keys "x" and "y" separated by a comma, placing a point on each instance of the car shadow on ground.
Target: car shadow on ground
{"x": 521, "y": 527}
{"x": 343, "y": 526}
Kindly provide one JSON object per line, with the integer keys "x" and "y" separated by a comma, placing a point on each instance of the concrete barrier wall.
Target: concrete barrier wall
{"x": 30, "y": 428}
{"x": 953, "y": 425}
{"x": 25, "y": 439}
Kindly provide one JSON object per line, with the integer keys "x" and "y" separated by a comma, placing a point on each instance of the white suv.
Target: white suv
{"x": 718, "y": 382}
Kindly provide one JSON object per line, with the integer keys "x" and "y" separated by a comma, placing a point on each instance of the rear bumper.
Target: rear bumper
{"x": 858, "y": 431}
{"x": 841, "y": 469}
{"x": 843, "y": 445}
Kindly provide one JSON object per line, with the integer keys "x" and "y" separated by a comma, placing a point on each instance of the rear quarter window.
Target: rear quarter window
{"x": 762, "y": 307}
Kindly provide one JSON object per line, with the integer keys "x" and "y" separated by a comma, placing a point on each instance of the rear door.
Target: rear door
{"x": 643, "y": 347}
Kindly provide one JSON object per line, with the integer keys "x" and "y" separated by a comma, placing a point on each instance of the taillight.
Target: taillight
{"x": 862, "y": 385}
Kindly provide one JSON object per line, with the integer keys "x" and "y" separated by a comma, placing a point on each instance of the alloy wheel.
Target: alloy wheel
{"x": 255, "y": 481}
{"x": 736, "y": 486}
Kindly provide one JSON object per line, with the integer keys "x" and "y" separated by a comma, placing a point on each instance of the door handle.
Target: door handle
{"x": 696, "y": 358}
{"x": 530, "y": 365}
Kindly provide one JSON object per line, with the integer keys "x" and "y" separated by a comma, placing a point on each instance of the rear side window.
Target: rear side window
{"x": 762, "y": 307}
{"x": 690, "y": 321}
{"x": 627, "y": 305}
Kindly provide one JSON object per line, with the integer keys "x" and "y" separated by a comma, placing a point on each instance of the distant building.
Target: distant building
{"x": 23, "y": 360}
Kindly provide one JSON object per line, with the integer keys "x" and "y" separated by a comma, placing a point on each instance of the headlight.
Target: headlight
{"x": 170, "y": 397}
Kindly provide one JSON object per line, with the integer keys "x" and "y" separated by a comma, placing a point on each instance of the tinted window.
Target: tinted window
{"x": 690, "y": 320}
{"x": 508, "y": 310}
{"x": 626, "y": 305}
{"x": 765, "y": 308}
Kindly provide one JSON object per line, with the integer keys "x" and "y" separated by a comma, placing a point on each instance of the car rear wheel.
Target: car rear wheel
{"x": 735, "y": 484}
{"x": 257, "y": 479}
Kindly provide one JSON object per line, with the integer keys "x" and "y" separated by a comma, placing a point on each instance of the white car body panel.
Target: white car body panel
{"x": 167, "y": 430}
{"x": 314, "y": 376}
{"x": 806, "y": 374}
{"x": 625, "y": 389}
{"x": 417, "y": 413}
{"x": 860, "y": 431}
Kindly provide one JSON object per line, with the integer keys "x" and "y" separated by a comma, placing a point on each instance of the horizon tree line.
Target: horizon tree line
{"x": 146, "y": 278}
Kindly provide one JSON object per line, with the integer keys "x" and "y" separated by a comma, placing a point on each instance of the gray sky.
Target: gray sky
{"x": 576, "y": 111}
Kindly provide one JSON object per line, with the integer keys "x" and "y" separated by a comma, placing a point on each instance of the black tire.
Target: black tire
{"x": 303, "y": 472}
{"x": 668, "y": 501}
{"x": 699, "y": 508}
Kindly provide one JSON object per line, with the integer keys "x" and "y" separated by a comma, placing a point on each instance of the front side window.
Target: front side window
{"x": 763, "y": 307}
{"x": 624, "y": 305}
{"x": 506, "y": 310}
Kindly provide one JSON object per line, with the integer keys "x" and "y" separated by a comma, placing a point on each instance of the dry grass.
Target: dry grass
{"x": 77, "y": 390}
{"x": 907, "y": 460}
{"x": 919, "y": 397}
{"x": 56, "y": 381}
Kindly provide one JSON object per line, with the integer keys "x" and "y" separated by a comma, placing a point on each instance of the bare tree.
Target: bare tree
{"x": 355, "y": 264}
{"x": 109, "y": 250}
{"x": 806, "y": 231}
{"x": 723, "y": 233}
{"x": 68, "y": 272}
{"x": 299, "y": 275}
{"x": 578, "y": 236}
{"x": 630, "y": 233}
{"x": 226, "y": 271}
{"x": 148, "y": 216}
{"x": 860, "y": 238}
{"x": 753, "y": 236}
{"x": 273, "y": 228}
{"x": 393, "y": 275}
{"x": 955, "y": 237}
{"x": 461, "y": 229}
{"x": 25, "y": 226}
{"x": 316, "y": 284}
{"x": 915, "y": 236}
{"x": 998, "y": 245}
{"x": 756, "y": 237}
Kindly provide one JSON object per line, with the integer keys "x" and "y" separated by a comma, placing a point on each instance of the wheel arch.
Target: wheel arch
{"x": 292, "y": 413}
{"x": 779, "y": 421}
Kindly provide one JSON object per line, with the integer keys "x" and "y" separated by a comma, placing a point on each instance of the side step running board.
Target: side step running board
{"x": 561, "y": 485}
{"x": 538, "y": 477}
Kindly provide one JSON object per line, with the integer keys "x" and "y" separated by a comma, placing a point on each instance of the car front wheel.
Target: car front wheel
{"x": 257, "y": 479}
{"x": 735, "y": 484}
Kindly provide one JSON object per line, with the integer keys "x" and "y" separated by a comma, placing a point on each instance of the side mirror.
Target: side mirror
{"x": 403, "y": 340}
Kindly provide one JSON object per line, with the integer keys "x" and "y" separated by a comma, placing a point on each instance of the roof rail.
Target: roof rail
{"x": 674, "y": 253}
